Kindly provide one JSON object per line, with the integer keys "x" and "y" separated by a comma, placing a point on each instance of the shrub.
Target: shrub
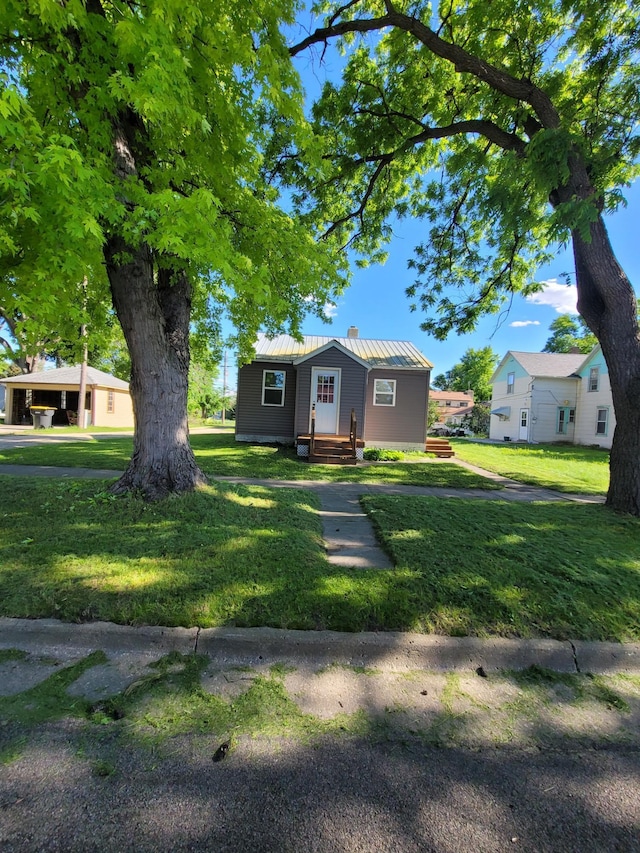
{"x": 379, "y": 454}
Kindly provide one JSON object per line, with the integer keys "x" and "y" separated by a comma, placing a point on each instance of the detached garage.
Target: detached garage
{"x": 107, "y": 401}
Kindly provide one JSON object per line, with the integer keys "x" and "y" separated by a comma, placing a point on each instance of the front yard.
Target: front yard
{"x": 566, "y": 468}
{"x": 220, "y": 455}
{"x": 238, "y": 555}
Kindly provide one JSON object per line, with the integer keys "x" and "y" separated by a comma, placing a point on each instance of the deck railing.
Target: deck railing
{"x": 352, "y": 432}
{"x": 312, "y": 431}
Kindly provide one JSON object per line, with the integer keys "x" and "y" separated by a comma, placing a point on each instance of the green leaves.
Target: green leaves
{"x": 198, "y": 83}
{"x": 505, "y": 126}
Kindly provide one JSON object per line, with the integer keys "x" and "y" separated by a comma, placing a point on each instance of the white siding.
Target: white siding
{"x": 549, "y": 394}
{"x": 520, "y": 399}
{"x": 588, "y": 404}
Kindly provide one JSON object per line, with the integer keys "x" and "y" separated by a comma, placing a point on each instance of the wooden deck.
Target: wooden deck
{"x": 331, "y": 449}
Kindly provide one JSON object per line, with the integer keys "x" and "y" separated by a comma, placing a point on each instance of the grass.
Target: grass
{"x": 220, "y": 455}
{"x": 250, "y": 555}
{"x": 522, "y": 570}
{"x": 566, "y": 468}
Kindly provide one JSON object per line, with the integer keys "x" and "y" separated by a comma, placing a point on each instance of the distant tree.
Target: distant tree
{"x": 432, "y": 414}
{"x": 203, "y": 397}
{"x": 471, "y": 373}
{"x": 478, "y": 419}
{"x": 443, "y": 381}
{"x": 570, "y": 333}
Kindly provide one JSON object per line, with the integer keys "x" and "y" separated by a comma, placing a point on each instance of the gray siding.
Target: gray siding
{"x": 406, "y": 422}
{"x": 352, "y": 390}
{"x": 253, "y": 420}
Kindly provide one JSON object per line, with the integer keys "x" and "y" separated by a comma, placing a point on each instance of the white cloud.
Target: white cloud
{"x": 519, "y": 324}
{"x": 562, "y": 297}
{"x": 330, "y": 309}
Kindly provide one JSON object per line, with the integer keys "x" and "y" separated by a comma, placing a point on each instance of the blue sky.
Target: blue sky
{"x": 377, "y": 305}
{"x": 376, "y": 302}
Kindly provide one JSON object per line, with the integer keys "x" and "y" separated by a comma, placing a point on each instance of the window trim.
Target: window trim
{"x": 111, "y": 401}
{"x": 511, "y": 384}
{"x": 593, "y": 382}
{"x": 604, "y": 409}
{"x": 393, "y": 383}
{"x": 264, "y": 387}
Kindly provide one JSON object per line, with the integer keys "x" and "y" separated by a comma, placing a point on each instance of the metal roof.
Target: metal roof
{"x": 67, "y": 376}
{"x": 400, "y": 355}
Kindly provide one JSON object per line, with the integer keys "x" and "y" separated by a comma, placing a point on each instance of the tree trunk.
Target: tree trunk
{"x": 608, "y": 304}
{"x": 154, "y": 311}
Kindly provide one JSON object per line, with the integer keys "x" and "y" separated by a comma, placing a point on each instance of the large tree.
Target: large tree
{"x": 510, "y": 127}
{"x": 133, "y": 133}
{"x": 569, "y": 334}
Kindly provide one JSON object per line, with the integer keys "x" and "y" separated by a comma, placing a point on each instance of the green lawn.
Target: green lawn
{"x": 572, "y": 469}
{"x": 491, "y": 567}
{"x": 238, "y": 555}
{"x": 220, "y": 455}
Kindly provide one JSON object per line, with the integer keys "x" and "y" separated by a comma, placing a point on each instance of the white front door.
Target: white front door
{"x": 325, "y": 394}
{"x": 524, "y": 424}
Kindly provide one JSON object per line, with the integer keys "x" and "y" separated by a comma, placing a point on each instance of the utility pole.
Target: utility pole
{"x": 82, "y": 390}
{"x": 224, "y": 386}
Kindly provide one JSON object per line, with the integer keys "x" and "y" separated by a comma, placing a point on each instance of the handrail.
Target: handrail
{"x": 312, "y": 435}
{"x": 352, "y": 432}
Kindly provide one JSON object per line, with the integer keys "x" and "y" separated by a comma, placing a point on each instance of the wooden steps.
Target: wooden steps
{"x": 331, "y": 449}
{"x": 439, "y": 446}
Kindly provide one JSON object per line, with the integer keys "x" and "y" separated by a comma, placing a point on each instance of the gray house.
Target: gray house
{"x": 289, "y": 384}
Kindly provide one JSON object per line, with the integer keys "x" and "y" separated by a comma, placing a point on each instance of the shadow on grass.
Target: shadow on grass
{"x": 250, "y": 556}
{"x": 225, "y": 555}
{"x": 491, "y": 567}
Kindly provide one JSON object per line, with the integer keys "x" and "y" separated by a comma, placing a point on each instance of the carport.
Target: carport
{"x": 107, "y": 400}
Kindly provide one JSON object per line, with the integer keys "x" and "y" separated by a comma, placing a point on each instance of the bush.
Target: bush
{"x": 379, "y": 454}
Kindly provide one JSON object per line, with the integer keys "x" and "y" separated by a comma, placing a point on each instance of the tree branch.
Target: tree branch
{"x": 462, "y": 60}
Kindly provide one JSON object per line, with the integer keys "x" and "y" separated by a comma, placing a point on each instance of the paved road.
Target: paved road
{"x": 510, "y": 772}
{"x": 334, "y": 795}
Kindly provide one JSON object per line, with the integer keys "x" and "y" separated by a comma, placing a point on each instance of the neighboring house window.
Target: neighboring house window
{"x": 110, "y": 402}
{"x": 384, "y": 393}
{"x": 594, "y": 379}
{"x": 273, "y": 387}
{"x": 511, "y": 381}
{"x": 602, "y": 422}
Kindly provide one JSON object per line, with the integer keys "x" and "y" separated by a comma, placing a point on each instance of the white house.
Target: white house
{"x": 547, "y": 397}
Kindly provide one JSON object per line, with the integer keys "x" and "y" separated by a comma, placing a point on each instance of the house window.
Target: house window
{"x": 273, "y": 387}
{"x": 111, "y": 403}
{"x": 325, "y": 388}
{"x": 594, "y": 379}
{"x": 511, "y": 381}
{"x": 602, "y": 422}
{"x": 384, "y": 393}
